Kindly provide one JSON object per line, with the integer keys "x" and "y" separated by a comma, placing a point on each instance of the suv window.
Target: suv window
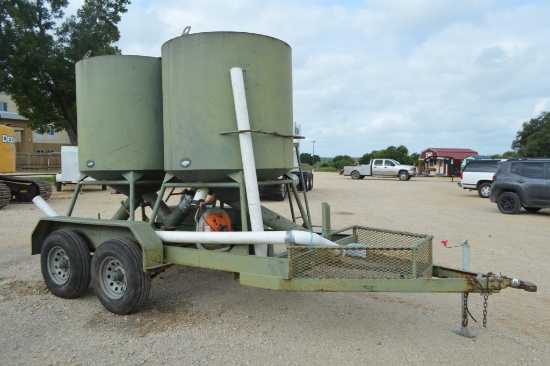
{"x": 478, "y": 165}
{"x": 528, "y": 169}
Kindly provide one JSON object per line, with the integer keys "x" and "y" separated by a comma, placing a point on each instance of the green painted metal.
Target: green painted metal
{"x": 97, "y": 231}
{"x": 199, "y": 106}
{"x": 326, "y": 225}
{"x": 119, "y": 101}
{"x": 448, "y": 285}
{"x": 264, "y": 266}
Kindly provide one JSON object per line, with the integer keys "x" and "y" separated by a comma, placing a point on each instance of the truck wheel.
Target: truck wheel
{"x": 118, "y": 278}
{"x": 355, "y": 175}
{"x": 280, "y": 196}
{"x": 5, "y": 195}
{"x": 103, "y": 187}
{"x": 58, "y": 186}
{"x": 484, "y": 190}
{"x": 509, "y": 203}
{"x": 65, "y": 262}
{"x": 403, "y": 175}
{"x": 310, "y": 181}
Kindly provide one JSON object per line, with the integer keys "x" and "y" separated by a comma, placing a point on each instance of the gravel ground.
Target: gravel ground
{"x": 204, "y": 317}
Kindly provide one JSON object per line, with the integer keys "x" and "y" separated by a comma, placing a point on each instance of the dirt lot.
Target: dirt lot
{"x": 197, "y": 316}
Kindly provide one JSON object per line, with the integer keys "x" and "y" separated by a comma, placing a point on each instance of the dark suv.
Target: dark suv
{"x": 521, "y": 183}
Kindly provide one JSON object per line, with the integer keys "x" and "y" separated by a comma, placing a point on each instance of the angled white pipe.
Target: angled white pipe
{"x": 292, "y": 237}
{"x": 247, "y": 156}
{"x": 44, "y": 206}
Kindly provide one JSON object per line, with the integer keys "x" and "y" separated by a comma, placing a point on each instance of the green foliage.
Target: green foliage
{"x": 39, "y": 51}
{"x": 400, "y": 153}
{"x": 306, "y": 158}
{"x": 339, "y": 161}
{"x": 534, "y": 139}
{"x": 509, "y": 154}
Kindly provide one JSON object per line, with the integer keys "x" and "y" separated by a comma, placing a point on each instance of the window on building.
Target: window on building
{"x": 51, "y": 151}
{"x": 3, "y": 106}
{"x": 50, "y": 132}
{"x": 40, "y": 151}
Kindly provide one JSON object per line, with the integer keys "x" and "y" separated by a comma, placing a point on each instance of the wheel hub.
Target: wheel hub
{"x": 113, "y": 279}
{"x": 59, "y": 265}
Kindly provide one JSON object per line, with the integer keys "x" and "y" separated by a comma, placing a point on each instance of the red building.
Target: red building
{"x": 438, "y": 161}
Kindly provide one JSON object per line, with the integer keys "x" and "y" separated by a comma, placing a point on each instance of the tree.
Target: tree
{"x": 305, "y": 158}
{"x": 39, "y": 51}
{"x": 534, "y": 139}
{"x": 400, "y": 153}
{"x": 339, "y": 161}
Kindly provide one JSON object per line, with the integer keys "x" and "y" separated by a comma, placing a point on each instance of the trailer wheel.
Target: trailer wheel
{"x": 58, "y": 186}
{"x": 118, "y": 278}
{"x": 65, "y": 261}
{"x": 403, "y": 175}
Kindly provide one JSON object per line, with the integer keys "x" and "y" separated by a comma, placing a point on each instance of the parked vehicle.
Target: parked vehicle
{"x": 70, "y": 173}
{"x": 380, "y": 168}
{"x": 478, "y": 175}
{"x": 18, "y": 188}
{"x": 521, "y": 183}
{"x": 302, "y": 179}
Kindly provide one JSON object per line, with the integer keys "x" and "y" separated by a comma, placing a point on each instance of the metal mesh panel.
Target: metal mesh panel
{"x": 371, "y": 254}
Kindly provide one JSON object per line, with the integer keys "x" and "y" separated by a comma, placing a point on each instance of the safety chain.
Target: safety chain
{"x": 485, "y": 294}
{"x": 485, "y": 297}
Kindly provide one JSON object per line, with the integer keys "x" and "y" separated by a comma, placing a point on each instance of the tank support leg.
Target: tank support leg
{"x": 463, "y": 329}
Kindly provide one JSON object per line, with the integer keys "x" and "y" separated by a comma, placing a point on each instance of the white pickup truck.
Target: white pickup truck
{"x": 380, "y": 168}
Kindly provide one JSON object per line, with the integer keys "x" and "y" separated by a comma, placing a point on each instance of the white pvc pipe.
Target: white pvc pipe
{"x": 44, "y": 207}
{"x": 247, "y": 156}
{"x": 293, "y": 237}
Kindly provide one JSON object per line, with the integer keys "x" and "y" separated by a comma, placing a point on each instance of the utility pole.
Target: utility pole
{"x": 313, "y": 155}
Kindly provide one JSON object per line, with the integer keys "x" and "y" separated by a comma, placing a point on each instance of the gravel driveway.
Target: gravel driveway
{"x": 204, "y": 317}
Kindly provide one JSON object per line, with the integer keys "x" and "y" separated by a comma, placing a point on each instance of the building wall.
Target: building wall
{"x": 26, "y": 140}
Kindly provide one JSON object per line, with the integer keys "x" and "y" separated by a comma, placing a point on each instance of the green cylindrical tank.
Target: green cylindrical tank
{"x": 198, "y": 104}
{"x": 119, "y": 103}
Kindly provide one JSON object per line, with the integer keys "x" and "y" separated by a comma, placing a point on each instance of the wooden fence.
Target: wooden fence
{"x": 48, "y": 161}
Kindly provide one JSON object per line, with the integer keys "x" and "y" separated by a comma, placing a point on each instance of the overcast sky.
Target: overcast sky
{"x": 372, "y": 74}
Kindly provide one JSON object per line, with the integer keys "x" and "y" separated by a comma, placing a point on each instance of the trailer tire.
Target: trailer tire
{"x": 58, "y": 186}
{"x": 65, "y": 262}
{"x": 118, "y": 278}
{"x": 355, "y": 175}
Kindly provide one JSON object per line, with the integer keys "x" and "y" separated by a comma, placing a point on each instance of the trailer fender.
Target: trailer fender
{"x": 97, "y": 231}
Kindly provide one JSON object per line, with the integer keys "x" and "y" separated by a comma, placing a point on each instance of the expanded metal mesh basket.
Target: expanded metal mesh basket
{"x": 366, "y": 253}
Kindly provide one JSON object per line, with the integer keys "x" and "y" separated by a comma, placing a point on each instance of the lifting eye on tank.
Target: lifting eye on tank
{"x": 90, "y": 164}
{"x": 185, "y": 163}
